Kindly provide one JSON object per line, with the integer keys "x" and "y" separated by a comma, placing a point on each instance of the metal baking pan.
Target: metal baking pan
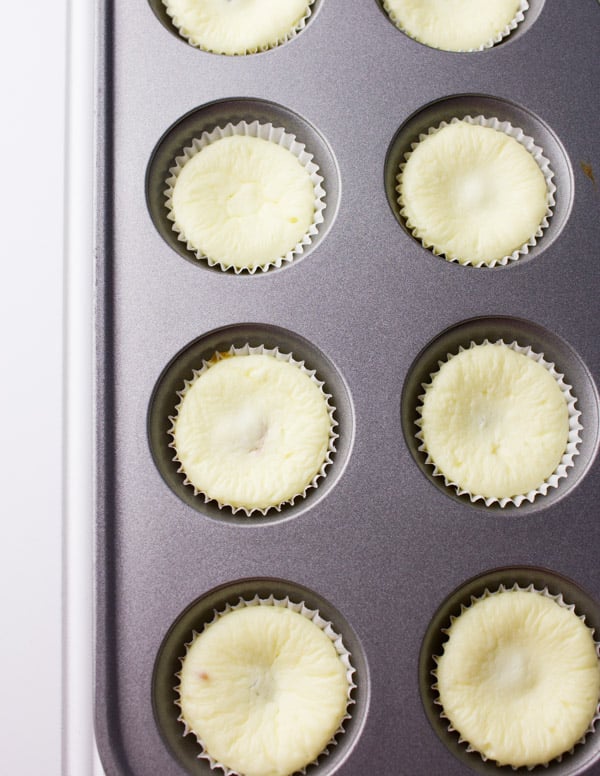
{"x": 380, "y": 544}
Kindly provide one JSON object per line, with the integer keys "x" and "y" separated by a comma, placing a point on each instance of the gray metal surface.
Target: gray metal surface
{"x": 384, "y": 546}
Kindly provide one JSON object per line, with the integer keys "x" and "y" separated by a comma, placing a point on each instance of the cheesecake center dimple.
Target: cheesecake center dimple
{"x": 246, "y": 201}
{"x": 486, "y": 415}
{"x": 243, "y": 431}
{"x": 262, "y": 685}
{"x": 489, "y": 413}
{"x": 472, "y": 191}
{"x": 511, "y": 670}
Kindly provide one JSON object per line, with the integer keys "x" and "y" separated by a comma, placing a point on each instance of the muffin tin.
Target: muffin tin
{"x": 380, "y": 543}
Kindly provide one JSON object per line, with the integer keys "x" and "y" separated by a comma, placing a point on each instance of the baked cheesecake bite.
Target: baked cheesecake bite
{"x": 519, "y": 677}
{"x": 495, "y": 422}
{"x": 475, "y": 194}
{"x": 456, "y": 25}
{"x": 244, "y": 202}
{"x": 238, "y": 26}
{"x": 253, "y": 430}
{"x": 265, "y": 690}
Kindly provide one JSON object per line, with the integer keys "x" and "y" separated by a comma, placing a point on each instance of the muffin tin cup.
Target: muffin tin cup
{"x": 558, "y": 599}
{"x": 541, "y": 340}
{"x": 272, "y": 134}
{"x": 315, "y": 617}
{"x": 247, "y": 350}
{"x": 542, "y": 162}
{"x": 257, "y": 591}
{"x": 258, "y": 338}
{"x": 573, "y": 439}
{"x": 559, "y": 588}
{"x": 296, "y": 30}
{"x": 497, "y": 38}
{"x": 204, "y": 120}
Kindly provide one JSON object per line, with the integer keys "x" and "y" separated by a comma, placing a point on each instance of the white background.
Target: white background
{"x": 32, "y": 63}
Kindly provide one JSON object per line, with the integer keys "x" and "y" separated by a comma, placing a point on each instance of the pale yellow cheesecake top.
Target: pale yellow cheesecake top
{"x": 494, "y": 421}
{"x": 252, "y": 431}
{"x": 453, "y": 25}
{"x": 473, "y": 193}
{"x": 243, "y": 202}
{"x": 264, "y": 689}
{"x": 236, "y": 26}
{"x": 519, "y": 678}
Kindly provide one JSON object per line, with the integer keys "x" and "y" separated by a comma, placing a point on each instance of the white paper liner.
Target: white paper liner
{"x": 573, "y": 438}
{"x": 187, "y": 35}
{"x": 513, "y": 24}
{"x": 246, "y": 350}
{"x": 275, "y": 135}
{"x": 529, "y": 144}
{"x": 314, "y": 616}
{"x": 561, "y": 602}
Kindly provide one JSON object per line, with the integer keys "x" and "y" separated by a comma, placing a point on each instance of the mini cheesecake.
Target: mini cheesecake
{"x": 264, "y": 690}
{"x": 243, "y": 202}
{"x": 494, "y": 421}
{"x": 454, "y": 25}
{"x": 237, "y": 26}
{"x": 519, "y": 678}
{"x": 472, "y": 193}
{"x": 252, "y": 431}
